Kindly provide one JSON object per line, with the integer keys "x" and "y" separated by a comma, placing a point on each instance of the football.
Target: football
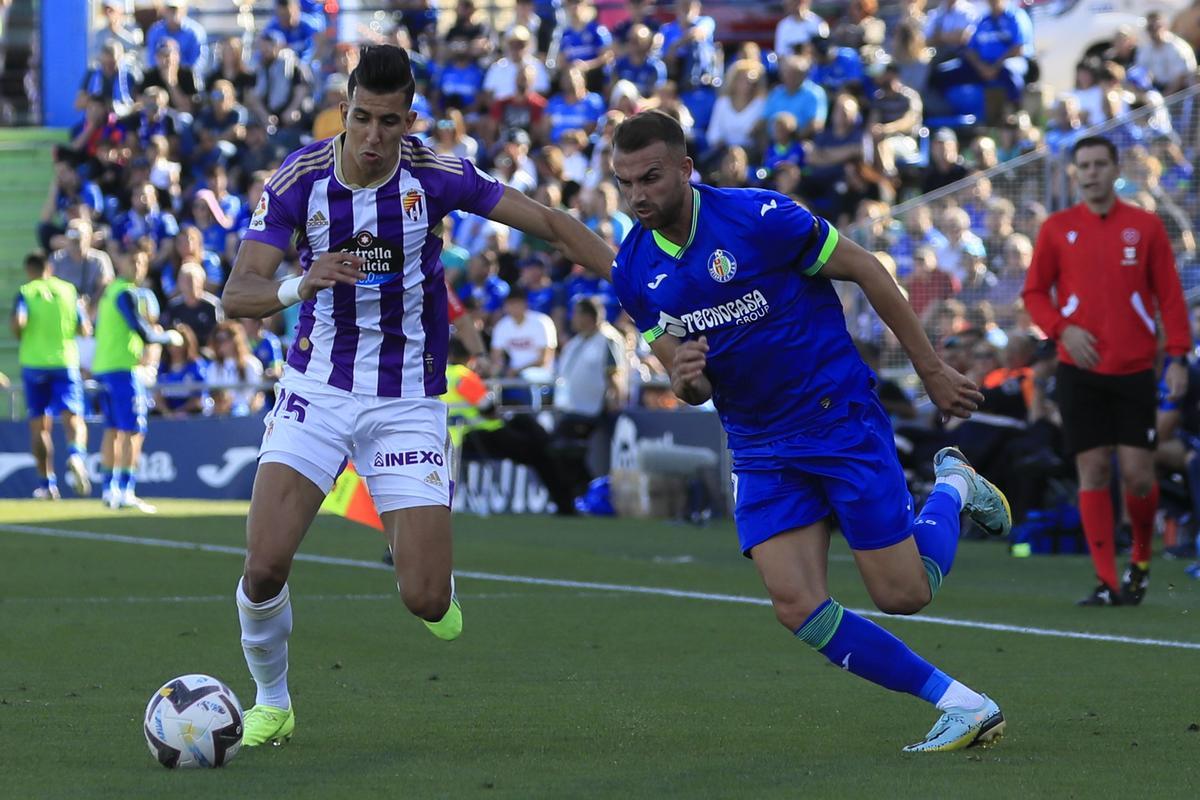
{"x": 193, "y": 721}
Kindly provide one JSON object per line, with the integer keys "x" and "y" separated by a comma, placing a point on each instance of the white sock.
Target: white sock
{"x": 265, "y": 630}
{"x": 959, "y": 484}
{"x": 959, "y": 696}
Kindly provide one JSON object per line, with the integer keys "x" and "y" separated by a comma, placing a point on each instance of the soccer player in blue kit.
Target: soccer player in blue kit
{"x": 733, "y": 290}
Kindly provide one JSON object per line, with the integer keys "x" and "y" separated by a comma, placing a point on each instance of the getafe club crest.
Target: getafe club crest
{"x": 412, "y": 205}
{"x": 722, "y": 266}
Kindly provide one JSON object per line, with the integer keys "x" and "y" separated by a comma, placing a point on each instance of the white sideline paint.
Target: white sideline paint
{"x": 604, "y": 587}
{"x": 225, "y": 598}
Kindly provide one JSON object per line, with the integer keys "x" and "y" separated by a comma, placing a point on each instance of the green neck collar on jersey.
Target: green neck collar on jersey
{"x": 669, "y": 247}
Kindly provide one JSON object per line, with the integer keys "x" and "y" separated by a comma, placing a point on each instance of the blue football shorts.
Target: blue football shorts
{"x": 52, "y": 391}
{"x": 123, "y": 399}
{"x": 846, "y": 468}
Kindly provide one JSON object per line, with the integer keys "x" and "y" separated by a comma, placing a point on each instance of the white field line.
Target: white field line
{"x": 223, "y": 598}
{"x": 604, "y": 587}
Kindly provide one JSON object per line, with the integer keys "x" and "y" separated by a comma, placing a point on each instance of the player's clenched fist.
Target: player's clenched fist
{"x": 688, "y": 380}
{"x": 330, "y": 269}
{"x": 690, "y": 360}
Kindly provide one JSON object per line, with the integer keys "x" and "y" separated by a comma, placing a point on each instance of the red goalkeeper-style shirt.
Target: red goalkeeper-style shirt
{"x": 1109, "y": 275}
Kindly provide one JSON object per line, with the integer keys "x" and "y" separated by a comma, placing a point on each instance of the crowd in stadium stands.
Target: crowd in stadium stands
{"x": 851, "y": 115}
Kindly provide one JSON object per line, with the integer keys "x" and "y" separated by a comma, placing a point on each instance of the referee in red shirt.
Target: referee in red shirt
{"x": 1101, "y": 271}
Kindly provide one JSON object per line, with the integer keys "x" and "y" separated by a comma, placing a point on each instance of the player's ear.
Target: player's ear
{"x": 409, "y": 120}
{"x": 688, "y": 167}
{"x": 344, "y": 108}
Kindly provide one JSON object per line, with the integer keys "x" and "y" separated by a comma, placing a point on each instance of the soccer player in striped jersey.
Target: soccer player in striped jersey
{"x": 733, "y": 290}
{"x": 368, "y": 361}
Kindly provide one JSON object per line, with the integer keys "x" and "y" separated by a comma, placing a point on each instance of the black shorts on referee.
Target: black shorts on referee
{"x": 1106, "y": 410}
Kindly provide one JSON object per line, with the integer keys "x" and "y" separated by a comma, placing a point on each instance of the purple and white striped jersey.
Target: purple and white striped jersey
{"x": 388, "y": 335}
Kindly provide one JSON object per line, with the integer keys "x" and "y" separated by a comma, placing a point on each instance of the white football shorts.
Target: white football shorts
{"x": 398, "y": 445}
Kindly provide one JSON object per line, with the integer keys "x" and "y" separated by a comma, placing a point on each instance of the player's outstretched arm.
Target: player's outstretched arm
{"x": 950, "y": 391}
{"x": 562, "y": 231}
{"x": 252, "y": 290}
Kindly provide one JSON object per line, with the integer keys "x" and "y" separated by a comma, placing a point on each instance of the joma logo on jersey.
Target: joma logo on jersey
{"x": 408, "y": 457}
{"x": 750, "y": 307}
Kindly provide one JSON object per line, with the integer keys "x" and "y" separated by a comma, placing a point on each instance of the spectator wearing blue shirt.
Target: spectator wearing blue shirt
{"x": 800, "y": 96}
{"x": 639, "y": 65}
{"x": 297, "y": 28}
{"x": 586, "y": 44}
{"x": 189, "y": 248}
{"x": 542, "y": 293}
{"x": 918, "y": 232}
{"x": 997, "y": 54}
{"x": 313, "y": 12}
{"x": 784, "y": 148}
{"x": 581, "y": 284}
{"x": 460, "y": 81}
{"x": 111, "y": 79}
{"x": 641, "y": 12}
{"x": 265, "y": 346}
{"x": 189, "y": 34}
{"x": 574, "y": 109}
{"x": 832, "y": 180}
{"x": 217, "y": 179}
{"x": 144, "y": 220}
{"x": 68, "y": 190}
{"x": 837, "y": 68}
{"x": 693, "y": 58}
{"x": 484, "y": 289}
{"x": 216, "y": 229}
{"x": 224, "y": 115}
{"x": 182, "y": 365}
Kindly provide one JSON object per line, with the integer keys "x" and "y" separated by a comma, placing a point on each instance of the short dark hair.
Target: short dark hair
{"x": 458, "y": 351}
{"x": 383, "y": 69}
{"x": 589, "y": 306}
{"x": 1096, "y": 141}
{"x": 35, "y": 263}
{"x": 517, "y": 292}
{"x": 647, "y": 127}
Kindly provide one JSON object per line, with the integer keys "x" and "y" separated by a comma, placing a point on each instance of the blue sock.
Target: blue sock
{"x": 43, "y": 482}
{"x": 50, "y": 481}
{"x": 860, "y": 646}
{"x": 76, "y": 449}
{"x": 936, "y": 532}
{"x": 121, "y": 477}
{"x": 106, "y": 479}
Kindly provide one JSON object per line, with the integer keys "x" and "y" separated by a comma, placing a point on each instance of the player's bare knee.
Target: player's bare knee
{"x": 263, "y": 579}
{"x": 903, "y": 600}
{"x": 427, "y": 601}
{"x": 792, "y": 609}
{"x": 1138, "y": 484}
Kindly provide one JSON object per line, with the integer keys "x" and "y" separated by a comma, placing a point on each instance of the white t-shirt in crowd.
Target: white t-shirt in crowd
{"x": 583, "y": 368}
{"x": 791, "y": 32}
{"x": 225, "y": 373}
{"x": 524, "y": 342}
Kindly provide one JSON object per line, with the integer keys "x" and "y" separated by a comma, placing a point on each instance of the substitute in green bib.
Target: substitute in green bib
{"x": 46, "y": 316}
{"x": 122, "y": 333}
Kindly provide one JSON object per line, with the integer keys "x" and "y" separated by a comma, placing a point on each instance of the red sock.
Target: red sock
{"x": 1141, "y": 515}
{"x": 1096, "y": 509}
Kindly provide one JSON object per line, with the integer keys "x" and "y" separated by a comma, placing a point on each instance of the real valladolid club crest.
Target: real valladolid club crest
{"x": 412, "y": 205}
{"x": 721, "y": 266}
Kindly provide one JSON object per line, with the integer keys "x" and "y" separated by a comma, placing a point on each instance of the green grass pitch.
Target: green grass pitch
{"x": 570, "y": 692}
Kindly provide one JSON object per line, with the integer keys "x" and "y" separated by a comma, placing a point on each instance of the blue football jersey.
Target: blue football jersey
{"x": 780, "y": 358}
